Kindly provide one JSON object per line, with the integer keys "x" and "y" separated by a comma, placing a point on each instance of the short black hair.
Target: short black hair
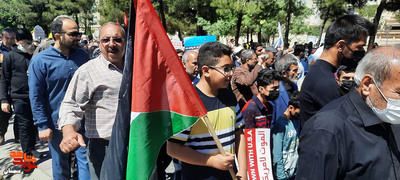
{"x": 267, "y": 76}
{"x": 254, "y": 45}
{"x": 210, "y": 53}
{"x": 178, "y": 51}
{"x": 349, "y": 28}
{"x": 294, "y": 99}
{"x": 298, "y": 49}
{"x": 23, "y": 34}
{"x": 345, "y": 69}
{"x": 8, "y": 30}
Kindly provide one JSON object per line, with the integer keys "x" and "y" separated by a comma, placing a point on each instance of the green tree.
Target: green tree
{"x": 389, "y": 5}
{"x": 86, "y": 13}
{"x": 293, "y": 8}
{"x": 328, "y": 10}
{"x": 111, "y": 10}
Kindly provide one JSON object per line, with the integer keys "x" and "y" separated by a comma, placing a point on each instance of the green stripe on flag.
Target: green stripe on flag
{"x": 147, "y": 134}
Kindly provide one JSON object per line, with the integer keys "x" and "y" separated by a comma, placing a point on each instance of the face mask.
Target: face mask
{"x": 353, "y": 62}
{"x": 26, "y": 48}
{"x": 21, "y": 48}
{"x": 391, "y": 114}
{"x": 295, "y": 116}
{"x": 273, "y": 95}
{"x": 347, "y": 85}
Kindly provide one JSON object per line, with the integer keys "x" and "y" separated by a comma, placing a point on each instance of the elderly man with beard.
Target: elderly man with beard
{"x": 288, "y": 67}
{"x": 189, "y": 60}
{"x": 92, "y": 96}
{"x": 50, "y": 72}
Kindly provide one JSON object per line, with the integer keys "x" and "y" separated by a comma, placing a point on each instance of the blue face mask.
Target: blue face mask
{"x": 391, "y": 114}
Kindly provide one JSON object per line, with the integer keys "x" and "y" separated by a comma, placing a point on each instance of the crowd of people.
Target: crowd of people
{"x": 332, "y": 118}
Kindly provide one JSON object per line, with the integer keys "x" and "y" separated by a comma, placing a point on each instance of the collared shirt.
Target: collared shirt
{"x": 93, "y": 95}
{"x": 318, "y": 89}
{"x": 4, "y": 50}
{"x": 346, "y": 140}
{"x": 256, "y": 114}
{"x": 49, "y": 74}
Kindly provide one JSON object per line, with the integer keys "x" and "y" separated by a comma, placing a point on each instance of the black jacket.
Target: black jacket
{"x": 14, "y": 78}
{"x": 346, "y": 140}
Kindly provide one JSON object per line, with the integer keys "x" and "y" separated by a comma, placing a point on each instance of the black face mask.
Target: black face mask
{"x": 347, "y": 85}
{"x": 353, "y": 62}
{"x": 273, "y": 95}
{"x": 295, "y": 116}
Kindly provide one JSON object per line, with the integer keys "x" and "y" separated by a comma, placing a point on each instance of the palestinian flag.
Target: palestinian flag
{"x": 164, "y": 101}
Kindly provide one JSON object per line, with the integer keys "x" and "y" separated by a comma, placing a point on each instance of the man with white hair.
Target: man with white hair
{"x": 288, "y": 67}
{"x": 356, "y": 136}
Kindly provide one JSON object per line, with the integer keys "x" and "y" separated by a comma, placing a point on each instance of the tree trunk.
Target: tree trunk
{"x": 287, "y": 24}
{"x": 251, "y": 36}
{"x": 238, "y": 25}
{"x": 247, "y": 34}
{"x": 76, "y": 19}
{"x": 180, "y": 34}
{"x": 377, "y": 17}
{"x": 321, "y": 30}
{"x": 259, "y": 36}
{"x": 163, "y": 20}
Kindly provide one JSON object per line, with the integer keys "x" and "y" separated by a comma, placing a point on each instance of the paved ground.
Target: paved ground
{"x": 42, "y": 172}
{"x": 44, "y": 169}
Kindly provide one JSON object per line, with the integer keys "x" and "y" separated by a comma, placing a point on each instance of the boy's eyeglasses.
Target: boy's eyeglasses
{"x": 107, "y": 40}
{"x": 227, "y": 70}
{"x": 72, "y": 34}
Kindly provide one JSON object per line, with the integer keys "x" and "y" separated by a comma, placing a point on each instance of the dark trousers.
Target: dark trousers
{"x": 96, "y": 151}
{"x": 4, "y": 117}
{"x": 27, "y": 131}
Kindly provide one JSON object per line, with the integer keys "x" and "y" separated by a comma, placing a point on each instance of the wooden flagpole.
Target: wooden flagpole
{"x": 217, "y": 142}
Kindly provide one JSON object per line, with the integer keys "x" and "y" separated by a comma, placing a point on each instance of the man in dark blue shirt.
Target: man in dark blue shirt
{"x": 357, "y": 135}
{"x": 345, "y": 36}
{"x": 50, "y": 72}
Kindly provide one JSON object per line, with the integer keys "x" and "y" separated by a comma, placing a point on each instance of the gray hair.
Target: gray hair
{"x": 267, "y": 56}
{"x": 284, "y": 63}
{"x": 122, "y": 29}
{"x": 246, "y": 54}
{"x": 57, "y": 24}
{"x": 185, "y": 56}
{"x": 377, "y": 63}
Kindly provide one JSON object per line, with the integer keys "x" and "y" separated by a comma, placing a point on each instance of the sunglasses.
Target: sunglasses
{"x": 72, "y": 34}
{"x": 107, "y": 40}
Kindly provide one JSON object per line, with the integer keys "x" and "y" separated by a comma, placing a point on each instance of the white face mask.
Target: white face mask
{"x": 21, "y": 48}
{"x": 391, "y": 114}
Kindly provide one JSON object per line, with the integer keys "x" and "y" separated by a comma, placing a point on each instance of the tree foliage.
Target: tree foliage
{"x": 29, "y": 13}
{"x": 329, "y": 10}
